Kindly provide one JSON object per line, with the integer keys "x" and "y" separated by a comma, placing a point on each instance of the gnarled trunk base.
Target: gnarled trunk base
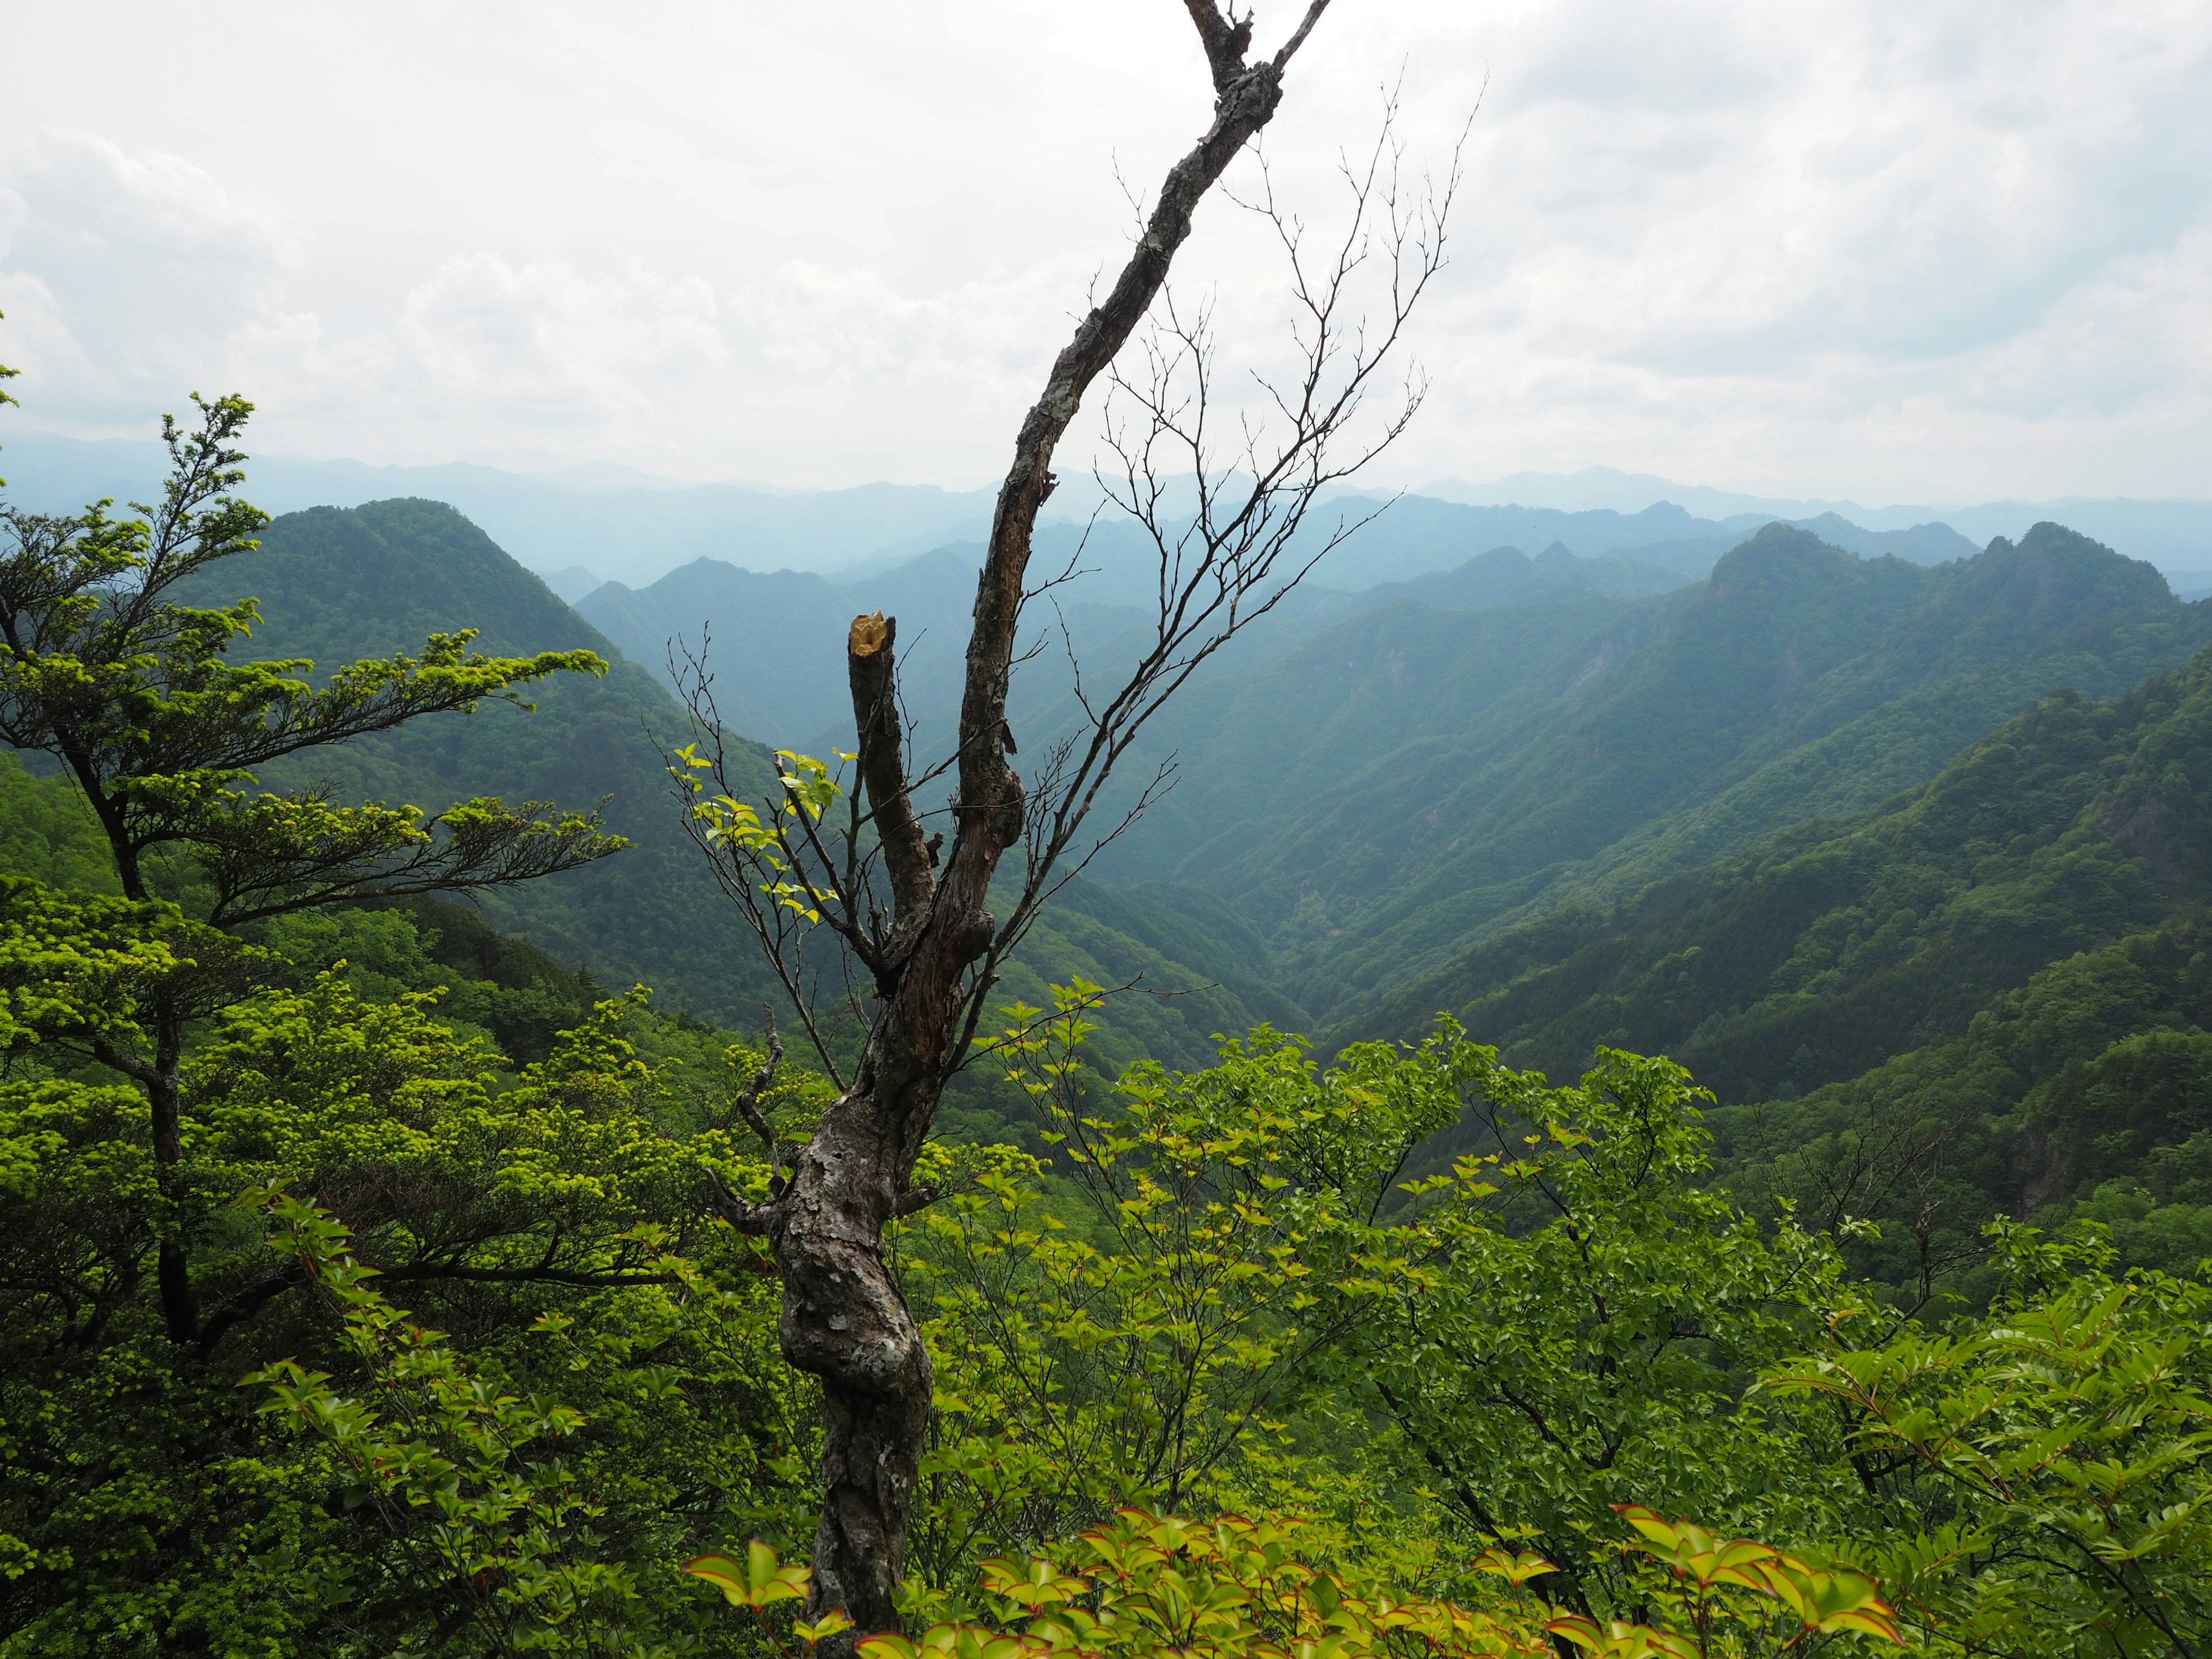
{"x": 844, "y": 1321}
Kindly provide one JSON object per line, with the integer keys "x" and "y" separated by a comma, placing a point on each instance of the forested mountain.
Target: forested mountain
{"x": 339, "y": 584}
{"x": 1390, "y": 778}
{"x": 2002, "y": 974}
{"x": 1371, "y": 781}
{"x": 1415, "y": 548}
{"x": 336, "y": 584}
{"x": 1830, "y": 947}
{"x": 779, "y": 636}
{"x": 1410, "y": 781}
{"x": 1920, "y": 543}
{"x": 1984, "y": 995}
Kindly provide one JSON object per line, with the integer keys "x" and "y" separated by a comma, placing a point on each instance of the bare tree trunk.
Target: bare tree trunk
{"x": 843, "y": 1319}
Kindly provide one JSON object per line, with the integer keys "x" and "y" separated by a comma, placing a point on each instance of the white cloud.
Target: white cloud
{"x": 130, "y": 272}
{"x": 1957, "y": 246}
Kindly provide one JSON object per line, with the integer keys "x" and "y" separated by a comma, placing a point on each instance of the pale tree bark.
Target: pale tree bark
{"x": 933, "y": 953}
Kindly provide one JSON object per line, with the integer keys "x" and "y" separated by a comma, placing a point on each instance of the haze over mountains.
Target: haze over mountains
{"x": 588, "y": 525}
{"x": 2170, "y": 533}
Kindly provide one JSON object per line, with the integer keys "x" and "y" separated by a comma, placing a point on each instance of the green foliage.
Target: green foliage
{"x": 1704, "y": 1611}
{"x": 482, "y": 1533}
{"x": 79, "y": 966}
{"x": 490, "y": 983}
{"x": 48, "y": 834}
{"x": 1582, "y": 1322}
{"x": 138, "y": 697}
{"x": 474, "y": 1367}
{"x": 1140, "y": 1584}
{"x": 1219, "y": 1289}
{"x": 145, "y": 1505}
{"x": 1826, "y": 953}
{"x": 2061, "y": 1445}
{"x": 558, "y": 1229}
{"x": 1154, "y": 1348}
{"x": 453, "y": 1466}
{"x": 338, "y": 583}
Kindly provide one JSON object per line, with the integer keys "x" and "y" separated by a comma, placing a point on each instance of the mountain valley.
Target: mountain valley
{"x": 1523, "y": 791}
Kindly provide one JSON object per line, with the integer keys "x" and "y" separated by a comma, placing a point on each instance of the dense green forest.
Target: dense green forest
{"x": 1748, "y": 1191}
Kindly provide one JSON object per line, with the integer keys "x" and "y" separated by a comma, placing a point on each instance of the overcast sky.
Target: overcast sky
{"x": 1924, "y": 250}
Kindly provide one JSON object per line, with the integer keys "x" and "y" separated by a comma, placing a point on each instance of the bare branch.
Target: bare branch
{"x": 748, "y": 1106}
{"x": 782, "y": 936}
{"x": 1248, "y": 538}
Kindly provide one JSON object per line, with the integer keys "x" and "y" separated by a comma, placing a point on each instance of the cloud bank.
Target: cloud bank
{"x": 1929, "y": 250}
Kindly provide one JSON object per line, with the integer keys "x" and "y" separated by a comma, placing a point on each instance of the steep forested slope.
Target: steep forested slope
{"x": 1357, "y": 814}
{"x": 1526, "y": 760}
{"x": 1987, "y": 996}
{"x": 338, "y": 584}
{"x": 1999, "y": 981}
{"x": 1827, "y": 949}
{"x": 2086, "y": 1091}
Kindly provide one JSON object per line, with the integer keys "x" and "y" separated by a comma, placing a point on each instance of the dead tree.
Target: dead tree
{"x": 910, "y": 912}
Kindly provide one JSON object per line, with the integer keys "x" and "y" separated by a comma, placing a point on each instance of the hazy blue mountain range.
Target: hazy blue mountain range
{"x": 1920, "y": 543}
{"x": 606, "y": 522}
{"x": 796, "y": 697}
{"x": 2173, "y": 534}
{"x": 1367, "y": 794}
{"x": 1905, "y": 850}
{"x": 1466, "y": 744}
{"x": 1382, "y": 777}
{"x": 778, "y": 648}
{"x": 616, "y": 525}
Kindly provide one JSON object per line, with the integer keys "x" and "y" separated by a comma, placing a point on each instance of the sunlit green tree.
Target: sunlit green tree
{"x": 142, "y": 701}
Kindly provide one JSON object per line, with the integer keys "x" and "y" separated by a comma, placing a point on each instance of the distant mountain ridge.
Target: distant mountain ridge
{"x": 1562, "y": 796}
{"x": 613, "y": 522}
{"x": 2174, "y": 534}
{"x": 778, "y": 636}
{"x": 606, "y": 523}
{"x": 779, "y": 632}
